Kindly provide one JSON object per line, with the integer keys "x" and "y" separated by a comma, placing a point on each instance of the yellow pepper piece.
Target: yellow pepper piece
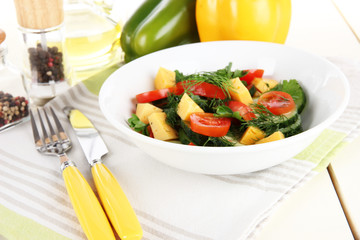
{"x": 239, "y": 92}
{"x": 186, "y": 107}
{"x": 164, "y": 78}
{"x": 252, "y": 135}
{"x": 273, "y": 137}
{"x": 258, "y": 20}
{"x": 264, "y": 84}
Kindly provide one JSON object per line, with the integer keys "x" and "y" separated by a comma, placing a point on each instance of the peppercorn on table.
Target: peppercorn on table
{"x": 324, "y": 207}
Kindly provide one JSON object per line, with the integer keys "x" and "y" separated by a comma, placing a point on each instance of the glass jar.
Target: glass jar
{"x": 13, "y": 100}
{"x": 92, "y": 37}
{"x": 46, "y": 70}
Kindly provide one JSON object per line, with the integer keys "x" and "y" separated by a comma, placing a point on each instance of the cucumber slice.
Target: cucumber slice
{"x": 292, "y": 129}
{"x": 286, "y": 119}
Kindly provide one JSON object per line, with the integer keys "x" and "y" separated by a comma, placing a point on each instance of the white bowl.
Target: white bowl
{"x": 326, "y": 87}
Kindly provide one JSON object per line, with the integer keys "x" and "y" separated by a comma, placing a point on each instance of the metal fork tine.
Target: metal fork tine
{"x": 52, "y": 132}
{"x": 37, "y": 139}
{"x": 62, "y": 133}
{"x": 46, "y": 136}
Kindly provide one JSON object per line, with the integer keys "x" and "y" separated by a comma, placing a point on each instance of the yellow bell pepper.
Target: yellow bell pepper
{"x": 257, "y": 20}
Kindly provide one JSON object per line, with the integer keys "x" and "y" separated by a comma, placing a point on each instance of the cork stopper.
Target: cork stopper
{"x": 2, "y": 36}
{"x": 39, "y": 14}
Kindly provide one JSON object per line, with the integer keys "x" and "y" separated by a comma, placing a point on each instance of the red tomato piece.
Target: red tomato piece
{"x": 244, "y": 110}
{"x": 202, "y": 89}
{"x": 151, "y": 134}
{"x": 251, "y": 74}
{"x": 250, "y": 86}
{"x": 209, "y": 125}
{"x": 153, "y": 95}
{"x": 277, "y": 102}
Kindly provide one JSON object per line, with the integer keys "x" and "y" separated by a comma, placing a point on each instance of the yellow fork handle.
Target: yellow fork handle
{"x": 116, "y": 204}
{"x": 91, "y": 216}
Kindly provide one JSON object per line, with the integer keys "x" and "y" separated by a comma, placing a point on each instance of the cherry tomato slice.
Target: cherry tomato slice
{"x": 153, "y": 95}
{"x": 209, "y": 125}
{"x": 277, "y": 102}
{"x": 251, "y": 74}
{"x": 244, "y": 110}
{"x": 202, "y": 89}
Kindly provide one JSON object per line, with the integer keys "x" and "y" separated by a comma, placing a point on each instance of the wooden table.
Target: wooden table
{"x": 324, "y": 27}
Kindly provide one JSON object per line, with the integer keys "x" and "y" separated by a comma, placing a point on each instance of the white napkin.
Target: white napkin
{"x": 169, "y": 203}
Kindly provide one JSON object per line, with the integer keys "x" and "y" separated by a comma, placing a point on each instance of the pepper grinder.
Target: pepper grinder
{"x": 46, "y": 70}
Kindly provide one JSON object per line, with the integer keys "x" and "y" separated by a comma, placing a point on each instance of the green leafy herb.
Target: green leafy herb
{"x": 137, "y": 125}
{"x": 207, "y": 104}
{"x": 239, "y": 73}
{"x": 170, "y": 108}
{"x": 172, "y": 118}
{"x": 201, "y": 102}
{"x": 179, "y": 77}
{"x": 183, "y": 138}
{"x": 225, "y": 71}
{"x": 172, "y": 101}
{"x": 225, "y": 111}
{"x": 252, "y": 91}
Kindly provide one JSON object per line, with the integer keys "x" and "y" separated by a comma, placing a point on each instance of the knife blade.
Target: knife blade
{"x": 90, "y": 140}
{"x": 114, "y": 200}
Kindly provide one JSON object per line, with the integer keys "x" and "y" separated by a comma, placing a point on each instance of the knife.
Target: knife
{"x": 114, "y": 200}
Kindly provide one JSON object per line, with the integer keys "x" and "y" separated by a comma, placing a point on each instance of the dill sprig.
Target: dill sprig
{"x": 170, "y": 108}
{"x": 220, "y": 78}
{"x": 265, "y": 120}
{"x": 207, "y": 104}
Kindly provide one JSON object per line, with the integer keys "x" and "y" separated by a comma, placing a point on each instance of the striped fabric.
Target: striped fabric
{"x": 170, "y": 204}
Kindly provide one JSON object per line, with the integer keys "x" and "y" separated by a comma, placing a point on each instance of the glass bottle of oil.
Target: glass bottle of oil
{"x": 91, "y": 38}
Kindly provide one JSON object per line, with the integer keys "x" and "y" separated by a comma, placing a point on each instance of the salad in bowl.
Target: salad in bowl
{"x": 219, "y": 108}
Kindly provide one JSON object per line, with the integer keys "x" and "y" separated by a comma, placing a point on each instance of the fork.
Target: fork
{"x": 90, "y": 214}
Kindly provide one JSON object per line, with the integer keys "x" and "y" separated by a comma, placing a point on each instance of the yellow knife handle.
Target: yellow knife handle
{"x": 91, "y": 216}
{"x": 116, "y": 204}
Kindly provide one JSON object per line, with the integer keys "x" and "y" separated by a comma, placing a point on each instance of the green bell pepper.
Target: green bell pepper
{"x": 159, "y": 24}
